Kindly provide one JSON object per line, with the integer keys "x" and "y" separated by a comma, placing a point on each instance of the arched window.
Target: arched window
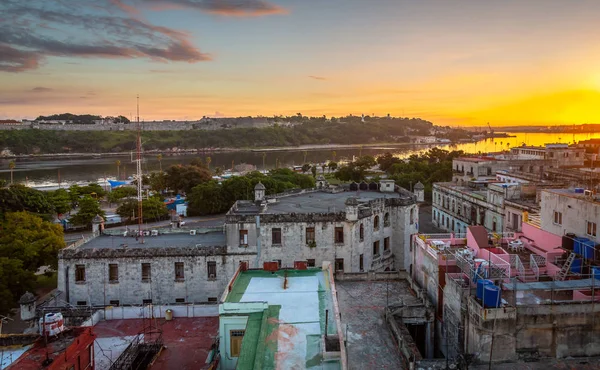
{"x": 494, "y": 224}
{"x": 412, "y": 216}
{"x": 386, "y": 219}
{"x": 376, "y": 223}
{"x": 361, "y": 232}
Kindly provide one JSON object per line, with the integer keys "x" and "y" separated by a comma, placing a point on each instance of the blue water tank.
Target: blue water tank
{"x": 578, "y": 245}
{"x": 589, "y": 249}
{"x": 492, "y": 296}
{"x": 481, "y": 283}
{"x": 576, "y": 266}
{"x": 596, "y": 272}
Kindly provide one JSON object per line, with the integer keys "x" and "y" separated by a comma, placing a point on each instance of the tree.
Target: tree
{"x": 26, "y": 243}
{"x": 323, "y": 166}
{"x": 206, "y": 199}
{"x": 88, "y": 209}
{"x": 22, "y": 198}
{"x": 159, "y": 157}
{"x": 60, "y": 200}
{"x": 153, "y": 209}
{"x": 184, "y": 178}
{"x": 332, "y": 166}
{"x": 313, "y": 169}
{"x": 350, "y": 173}
{"x": 121, "y": 192}
{"x": 208, "y": 160}
{"x": 118, "y": 163}
{"x": 93, "y": 189}
{"x": 305, "y": 168}
{"x": 11, "y": 167}
{"x": 158, "y": 181}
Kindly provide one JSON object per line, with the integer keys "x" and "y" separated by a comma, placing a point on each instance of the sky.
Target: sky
{"x": 459, "y": 62}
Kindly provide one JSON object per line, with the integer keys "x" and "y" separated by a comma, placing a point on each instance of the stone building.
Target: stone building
{"x": 360, "y": 231}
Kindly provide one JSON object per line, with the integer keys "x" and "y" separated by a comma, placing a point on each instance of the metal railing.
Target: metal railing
{"x": 82, "y": 241}
{"x": 520, "y": 267}
{"x": 534, "y": 266}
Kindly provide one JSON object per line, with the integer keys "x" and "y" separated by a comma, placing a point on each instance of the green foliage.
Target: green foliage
{"x": 433, "y": 166}
{"x": 26, "y": 243}
{"x": 332, "y": 166}
{"x": 183, "y": 178}
{"x": 119, "y": 193}
{"x": 158, "y": 181}
{"x": 92, "y": 189}
{"x": 60, "y": 200}
{"x": 313, "y": 170}
{"x": 305, "y": 167}
{"x": 21, "y": 198}
{"x": 88, "y": 209}
{"x": 71, "y": 118}
{"x": 153, "y": 208}
{"x": 355, "y": 171}
{"x": 212, "y": 197}
{"x": 313, "y": 130}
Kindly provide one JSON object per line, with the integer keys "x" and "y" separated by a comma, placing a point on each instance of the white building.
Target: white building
{"x": 574, "y": 211}
{"x": 562, "y": 155}
{"x": 361, "y": 231}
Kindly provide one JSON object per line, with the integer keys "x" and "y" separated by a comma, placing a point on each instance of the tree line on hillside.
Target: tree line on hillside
{"x": 85, "y": 119}
{"x": 347, "y": 130}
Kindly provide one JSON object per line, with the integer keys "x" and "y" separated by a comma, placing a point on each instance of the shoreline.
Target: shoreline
{"x": 310, "y": 147}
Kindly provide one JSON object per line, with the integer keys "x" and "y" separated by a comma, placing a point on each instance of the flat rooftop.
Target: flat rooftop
{"x": 572, "y": 194}
{"x": 477, "y": 159}
{"x": 323, "y": 202}
{"x": 187, "y": 341}
{"x": 291, "y": 336}
{"x": 182, "y": 240}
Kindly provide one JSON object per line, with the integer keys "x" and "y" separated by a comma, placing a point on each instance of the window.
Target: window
{"x": 113, "y": 273}
{"x": 386, "y": 244}
{"x": 412, "y": 216}
{"x": 339, "y": 234}
{"x": 361, "y": 232}
{"x": 211, "y": 267}
{"x": 179, "y": 271}
{"x": 310, "y": 234}
{"x": 278, "y": 263}
{"x": 212, "y": 299}
{"x": 146, "y": 301}
{"x": 494, "y": 224}
{"x": 386, "y": 219}
{"x": 376, "y": 248}
{"x": 557, "y": 218}
{"x": 310, "y": 262}
{"x": 114, "y": 302}
{"x": 591, "y": 228}
{"x": 79, "y": 273}
{"x": 146, "y": 272}
{"x": 235, "y": 342}
{"x": 376, "y": 223}
{"x": 276, "y": 236}
{"x": 361, "y": 262}
{"x": 244, "y": 237}
{"x": 179, "y": 300}
{"x": 82, "y": 303}
{"x": 339, "y": 264}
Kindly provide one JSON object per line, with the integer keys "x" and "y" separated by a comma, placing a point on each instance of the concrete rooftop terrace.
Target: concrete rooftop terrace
{"x": 317, "y": 202}
{"x": 184, "y": 240}
{"x": 289, "y": 334}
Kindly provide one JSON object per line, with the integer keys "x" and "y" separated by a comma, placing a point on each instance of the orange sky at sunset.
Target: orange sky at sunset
{"x": 464, "y": 63}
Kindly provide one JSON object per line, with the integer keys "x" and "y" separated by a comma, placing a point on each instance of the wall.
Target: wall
{"x": 575, "y": 213}
{"x": 543, "y": 240}
{"x": 226, "y": 324}
{"x": 162, "y": 289}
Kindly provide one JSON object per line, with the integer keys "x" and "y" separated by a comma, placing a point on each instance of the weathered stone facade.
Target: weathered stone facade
{"x": 356, "y": 232}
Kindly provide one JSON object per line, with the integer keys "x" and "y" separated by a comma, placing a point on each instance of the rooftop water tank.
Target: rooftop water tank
{"x": 481, "y": 284}
{"x": 492, "y": 296}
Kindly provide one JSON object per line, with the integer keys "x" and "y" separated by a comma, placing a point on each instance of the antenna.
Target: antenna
{"x": 139, "y": 172}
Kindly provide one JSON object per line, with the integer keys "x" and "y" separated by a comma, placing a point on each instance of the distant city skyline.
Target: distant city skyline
{"x": 453, "y": 63}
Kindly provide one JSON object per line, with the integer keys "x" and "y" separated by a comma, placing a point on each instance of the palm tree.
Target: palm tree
{"x": 11, "y": 167}
{"x": 159, "y": 157}
{"x": 333, "y": 154}
{"x": 208, "y": 160}
{"x": 118, "y": 163}
{"x": 305, "y": 153}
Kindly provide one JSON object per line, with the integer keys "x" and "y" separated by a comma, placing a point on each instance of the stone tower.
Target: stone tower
{"x": 98, "y": 224}
{"x": 352, "y": 209}
{"x": 419, "y": 191}
{"x": 259, "y": 192}
{"x": 27, "y": 303}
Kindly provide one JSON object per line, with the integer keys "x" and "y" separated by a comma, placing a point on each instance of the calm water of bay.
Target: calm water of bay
{"x": 40, "y": 172}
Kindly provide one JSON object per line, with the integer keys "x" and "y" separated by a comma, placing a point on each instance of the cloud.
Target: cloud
{"x": 41, "y": 89}
{"x": 320, "y": 78}
{"x": 93, "y": 31}
{"x": 228, "y": 8}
